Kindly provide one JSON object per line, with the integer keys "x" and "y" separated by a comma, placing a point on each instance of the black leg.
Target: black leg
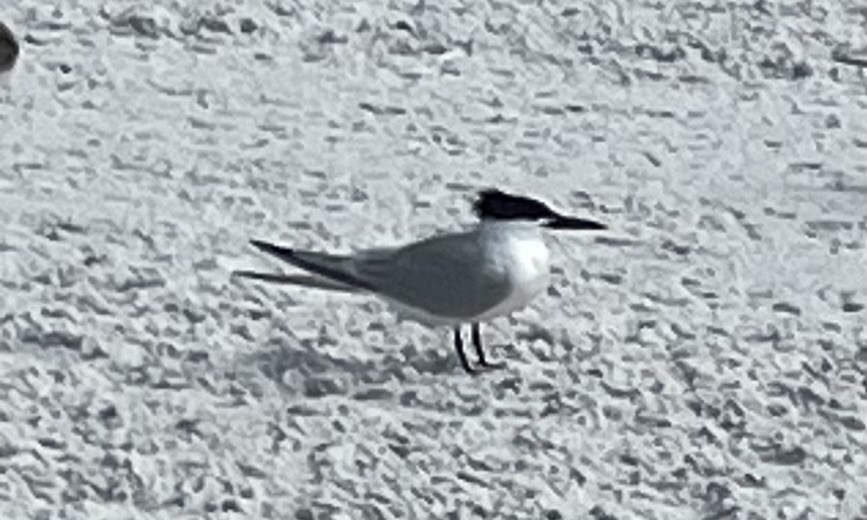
{"x": 477, "y": 342}
{"x": 459, "y": 346}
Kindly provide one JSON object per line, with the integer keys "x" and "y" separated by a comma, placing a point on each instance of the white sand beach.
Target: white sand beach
{"x": 705, "y": 358}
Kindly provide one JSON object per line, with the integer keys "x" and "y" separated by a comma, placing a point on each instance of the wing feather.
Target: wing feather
{"x": 445, "y": 275}
{"x": 449, "y": 275}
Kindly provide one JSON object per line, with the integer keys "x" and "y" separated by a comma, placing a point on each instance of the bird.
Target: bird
{"x": 453, "y": 279}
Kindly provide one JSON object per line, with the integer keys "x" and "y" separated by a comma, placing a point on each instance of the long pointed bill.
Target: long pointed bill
{"x": 561, "y": 222}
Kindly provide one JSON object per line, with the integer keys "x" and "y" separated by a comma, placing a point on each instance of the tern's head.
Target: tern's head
{"x": 495, "y": 205}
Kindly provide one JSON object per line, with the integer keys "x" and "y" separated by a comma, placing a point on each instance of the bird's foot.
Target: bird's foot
{"x": 480, "y": 368}
{"x": 487, "y": 365}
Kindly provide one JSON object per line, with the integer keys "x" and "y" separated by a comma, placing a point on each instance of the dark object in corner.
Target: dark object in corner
{"x": 8, "y": 48}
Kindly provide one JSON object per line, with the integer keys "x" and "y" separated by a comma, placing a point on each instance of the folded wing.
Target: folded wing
{"x": 448, "y": 276}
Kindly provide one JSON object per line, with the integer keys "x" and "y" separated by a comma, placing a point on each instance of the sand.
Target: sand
{"x": 705, "y": 358}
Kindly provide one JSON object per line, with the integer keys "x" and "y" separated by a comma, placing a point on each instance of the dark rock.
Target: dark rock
{"x": 248, "y": 26}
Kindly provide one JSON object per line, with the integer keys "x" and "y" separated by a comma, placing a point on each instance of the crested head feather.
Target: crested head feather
{"x": 498, "y": 205}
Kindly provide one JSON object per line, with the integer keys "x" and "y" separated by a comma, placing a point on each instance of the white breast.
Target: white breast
{"x": 525, "y": 259}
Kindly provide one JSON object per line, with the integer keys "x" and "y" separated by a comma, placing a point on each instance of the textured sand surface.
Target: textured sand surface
{"x": 707, "y": 358}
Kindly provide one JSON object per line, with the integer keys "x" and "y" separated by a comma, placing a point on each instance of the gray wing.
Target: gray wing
{"x": 446, "y": 275}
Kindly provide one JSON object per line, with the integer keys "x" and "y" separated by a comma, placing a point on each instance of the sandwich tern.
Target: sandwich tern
{"x": 450, "y": 279}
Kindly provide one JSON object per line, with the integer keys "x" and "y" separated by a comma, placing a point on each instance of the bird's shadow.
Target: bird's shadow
{"x": 293, "y": 363}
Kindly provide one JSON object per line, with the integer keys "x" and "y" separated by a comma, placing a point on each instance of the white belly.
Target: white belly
{"x": 528, "y": 270}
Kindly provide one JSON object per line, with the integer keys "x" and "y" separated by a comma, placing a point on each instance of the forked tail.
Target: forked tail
{"x": 333, "y": 268}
